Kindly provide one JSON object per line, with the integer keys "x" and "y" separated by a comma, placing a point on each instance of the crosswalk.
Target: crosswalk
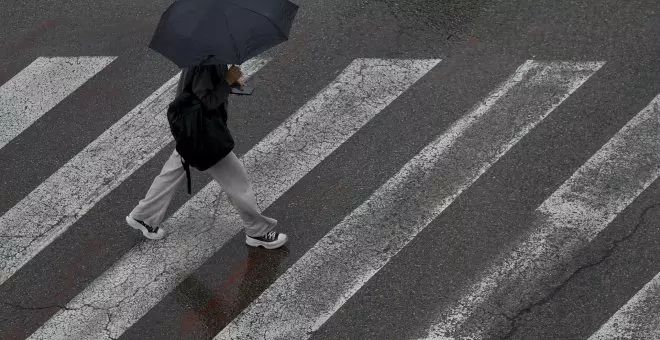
{"x": 314, "y": 288}
{"x": 373, "y": 233}
{"x": 276, "y": 163}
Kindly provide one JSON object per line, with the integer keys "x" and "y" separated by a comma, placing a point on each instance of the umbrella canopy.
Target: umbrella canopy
{"x": 221, "y": 31}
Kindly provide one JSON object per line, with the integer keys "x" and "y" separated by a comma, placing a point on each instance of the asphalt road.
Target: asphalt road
{"x": 481, "y": 43}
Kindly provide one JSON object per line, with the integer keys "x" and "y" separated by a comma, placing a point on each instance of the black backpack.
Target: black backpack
{"x": 201, "y": 135}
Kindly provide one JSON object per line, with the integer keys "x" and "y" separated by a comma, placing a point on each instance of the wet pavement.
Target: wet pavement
{"x": 481, "y": 44}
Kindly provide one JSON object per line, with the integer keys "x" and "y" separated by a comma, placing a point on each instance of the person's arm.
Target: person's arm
{"x": 211, "y": 96}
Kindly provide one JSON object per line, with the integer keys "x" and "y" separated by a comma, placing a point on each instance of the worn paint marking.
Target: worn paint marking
{"x": 567, "y": 221}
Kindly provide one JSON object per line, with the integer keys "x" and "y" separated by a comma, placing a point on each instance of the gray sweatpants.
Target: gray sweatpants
{"x": 228, "y": 172}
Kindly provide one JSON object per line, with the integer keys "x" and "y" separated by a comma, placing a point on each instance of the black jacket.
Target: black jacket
{"x": 208, "y": 84}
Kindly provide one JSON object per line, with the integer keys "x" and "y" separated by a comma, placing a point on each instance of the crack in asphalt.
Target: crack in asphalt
{"x": 107, "y": 310}
{"x": 35, "y": 238}
{"x": 17, "y": 306}
{"x": 607, "y": 254}
{"x": 64, "y": 307}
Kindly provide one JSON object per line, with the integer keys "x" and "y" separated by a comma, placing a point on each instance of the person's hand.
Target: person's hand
{"x": 234, "y": 76}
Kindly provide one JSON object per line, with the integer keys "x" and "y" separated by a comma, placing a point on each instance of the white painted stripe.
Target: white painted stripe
{"x": 567, "y": 221}
{"x": 58, "y": 202}
{"x": 316, "y": 286}
{"x": 151, "y": 270}
{"x": 638, "y": 319}
{"x": 39, "y": 87}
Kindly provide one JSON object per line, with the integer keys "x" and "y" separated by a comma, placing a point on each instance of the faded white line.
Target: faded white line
{"x": 316, "y": 286}
{"x": 58, "y": 202}
{"x": 567, "y": 221}
{"x": 148, "y": 272}
{"x": 39, "y": 87}
{"x": 638, "y": 319}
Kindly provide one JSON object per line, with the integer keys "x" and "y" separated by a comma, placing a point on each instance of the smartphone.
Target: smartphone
{"x": 246, "y": 90}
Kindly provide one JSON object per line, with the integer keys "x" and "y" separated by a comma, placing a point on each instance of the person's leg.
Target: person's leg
{"x": 259, "y": 229}
{"x": 150, "y": 211}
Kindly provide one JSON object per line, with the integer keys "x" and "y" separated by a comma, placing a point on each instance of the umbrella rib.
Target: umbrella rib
{"x": 265, "y": 16}
{"x": 233, "y": 41}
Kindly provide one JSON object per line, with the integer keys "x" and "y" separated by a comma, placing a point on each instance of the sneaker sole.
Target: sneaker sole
{"x": 135, "y": 225}
{"x": 268, "y": 245}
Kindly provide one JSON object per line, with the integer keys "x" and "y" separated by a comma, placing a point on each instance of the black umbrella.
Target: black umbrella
{"x": 221, "y": 31}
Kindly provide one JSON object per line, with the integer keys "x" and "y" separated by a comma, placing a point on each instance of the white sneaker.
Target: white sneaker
{"x": 153, "y": 233}
{"x": 271, "y": 240}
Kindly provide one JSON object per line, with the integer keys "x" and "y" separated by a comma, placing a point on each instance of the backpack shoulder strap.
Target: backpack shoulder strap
{"x": 186, "y": 80}
{"x": 186, "y": 167}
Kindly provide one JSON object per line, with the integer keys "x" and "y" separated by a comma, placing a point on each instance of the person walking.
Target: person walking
{"x": 211, "y": 84}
